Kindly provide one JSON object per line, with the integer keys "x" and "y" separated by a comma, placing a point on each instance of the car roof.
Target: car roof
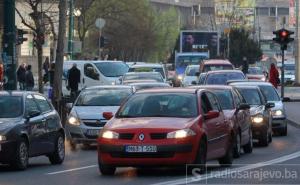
{"x": 192, "y": 54}
{"x": 91, "y": 61}
{"x": 134, "y": 73}
{"x": 146, "y": 65}
{"x": 108, "y": 87}
{"x": 225, "y": 71}
{"x": 149, "y": 83}
{"x": 13, "y": 93}
{"x": 193, "y": 66}
{"x": 224, "y": 87}
{"x": 250, "y": 83}
{"x": 170, "y": 90}
{"x": 216, "y": 61}
{"x": 247, "y": 87}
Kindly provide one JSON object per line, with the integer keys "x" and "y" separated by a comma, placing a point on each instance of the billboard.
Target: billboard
{"x": 292, "y": 16}
{"x": 199, "y": 41}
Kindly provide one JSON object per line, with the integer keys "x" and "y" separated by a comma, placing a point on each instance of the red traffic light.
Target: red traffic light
{"x": 283, "y": 34}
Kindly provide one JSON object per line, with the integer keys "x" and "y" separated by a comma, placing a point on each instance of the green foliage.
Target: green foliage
{"x": 241, "y": 45}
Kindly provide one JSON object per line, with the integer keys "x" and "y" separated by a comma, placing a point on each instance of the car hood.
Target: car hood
{"x": 256, "y": 109}
{"x": 150, "y": 123}
{"x": 7, "y": 123}
{"x": 93, "y": 112}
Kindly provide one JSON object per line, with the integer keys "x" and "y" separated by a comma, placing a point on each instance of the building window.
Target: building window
{"x": 283, "y": 11}
{"x": 196, "y": 10}
{"x": 273, "y": 12}
{"x": 207, "y": 10}
{"x": 263, "y": 11}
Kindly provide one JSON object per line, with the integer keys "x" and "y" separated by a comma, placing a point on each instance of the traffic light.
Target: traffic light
{"x": 283, "y": 37}
{"x": 20, "y": 36}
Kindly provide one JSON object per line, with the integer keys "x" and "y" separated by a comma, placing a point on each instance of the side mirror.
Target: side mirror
{"x": 108, "y": 115}
{"x": 211, "y": 115}
{"x": 194, "y": 83}
{"x": 244, "y": 106}
{"x": 286, "y": 99}
{"x": 270, "y": 105}
{"x": 32, "y": 114}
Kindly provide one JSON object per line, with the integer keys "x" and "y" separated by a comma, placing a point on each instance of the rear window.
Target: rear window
{"x": 217, "y": 67}
{"x": 225, "y": 99}
{"x": 112, "y": 69}
{"x": 144, "y": 76}
{"x": 148, "y": 69}
{"x": 222, "y": 78}
{"x": 255, "y": 71}
{"x": 191, "y": 71}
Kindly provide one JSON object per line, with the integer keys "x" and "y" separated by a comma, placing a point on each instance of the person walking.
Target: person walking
{"x": 46, "y": 66}
{"x": 29, "y": 80}
{"x": 245, "y": 65}
{"x": 274, "y": 76}
{"x": 1, "y": 75}
{"x": 21, "y": 76}
{"x": 73, "y": 81}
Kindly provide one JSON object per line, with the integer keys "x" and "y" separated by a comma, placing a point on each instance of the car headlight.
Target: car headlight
{"x": 180, "y": 77}
{"x": 181, "y": 134}
{"x": 110, "y": 135}
{"x": 113, "y": 83}
{"x": 2, "y": 138}
{"x": 263, "y": 79}
{"x": 73, "y": 120}
{"x": 258, "y": 118}
{"x": 277, "y": 113}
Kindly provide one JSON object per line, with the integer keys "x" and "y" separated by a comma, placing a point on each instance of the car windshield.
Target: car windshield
{"x": 222, "y": 78}
{"x": 11, "y": 106}
{"x": 251, "y": 96}
{"x": 255, "y": 71}
{"x": 144, "y": 76}
{"x": 191, "y": 71}
{"x": 184, "y": 61}
{"x": 180, "y": 105}
{"x": 148, "y": 69}
{"x": 112, "y": 69}
{"x": 103, "y": 97}
{"x": 217, "y": 67}
{"x": 269, "y": 93}
{"x": 225, "y": 99}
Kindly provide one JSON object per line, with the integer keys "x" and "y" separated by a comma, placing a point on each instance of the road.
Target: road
{"x": 80, "y": 167}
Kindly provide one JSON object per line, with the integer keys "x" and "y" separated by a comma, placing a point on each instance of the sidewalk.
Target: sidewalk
{"x": 291, "y": 92}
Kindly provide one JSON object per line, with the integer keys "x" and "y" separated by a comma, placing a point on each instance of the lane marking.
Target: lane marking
{"x": 71, "y": 170}
{"x": 226, "y": 172}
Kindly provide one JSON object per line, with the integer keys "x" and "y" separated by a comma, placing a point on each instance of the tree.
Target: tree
{"x": 41, "y": 23}
{"x": 241, "y": 45}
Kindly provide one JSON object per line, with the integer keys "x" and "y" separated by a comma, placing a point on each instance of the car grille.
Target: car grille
{"x": 158, "y": 135}
{"x": 94, "y": 123}
{"x": 126, "y": 136}
{"x": 142, "y": 155}
{"x": 90, "y": 137}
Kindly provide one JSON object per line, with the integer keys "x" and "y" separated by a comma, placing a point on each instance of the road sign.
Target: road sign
{"x": 100, "y": 23}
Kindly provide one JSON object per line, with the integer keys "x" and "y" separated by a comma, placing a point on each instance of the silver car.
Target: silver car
{"x": 90, "y": 112}
{"x": 279, "y": 123}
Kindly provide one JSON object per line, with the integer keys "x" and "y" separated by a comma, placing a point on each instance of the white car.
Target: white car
{"x": 149, "y": 67}
{"x": 87, "y": 116}
{"x": 135, "y": 77}
{"x": 190, "y": 75}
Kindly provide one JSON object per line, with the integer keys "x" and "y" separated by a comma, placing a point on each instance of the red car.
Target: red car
{"x": 166, "y": 127}
{"x": 238, "y": 112}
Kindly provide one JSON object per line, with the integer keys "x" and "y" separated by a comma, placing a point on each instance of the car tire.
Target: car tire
{"x": 227, "y": 160}
{"x": 264, "y": 138}
{"x": 20, "y": 162}
{"x": 283, "y": 132}
{"x": 248, "y": 148}
{"x": 200, "y": 161}
{"x": 106, "y": 170}
{"x": 270, "y": 136}
{"x": 58, "y": 156}
{"x": 237, "y": 146}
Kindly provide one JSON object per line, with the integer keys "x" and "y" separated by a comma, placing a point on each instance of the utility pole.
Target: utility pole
{"x": 71, "y": 28}
{"x": 9, "y": 46}
{"x": 297, "y": 44}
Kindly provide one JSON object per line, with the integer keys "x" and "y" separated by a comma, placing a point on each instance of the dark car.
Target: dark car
{"x": 237, "y": 111}
{"x": 260, "y": 111}
{"x": 29, "y": 127}
{"x": 221, "y": 77}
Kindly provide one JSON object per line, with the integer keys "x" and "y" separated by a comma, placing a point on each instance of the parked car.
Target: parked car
{"x": 260, "y": 111}
{"x": 238, "y": 112}
{"x": 86, "y": 118}
{"x": 166, "y": 127}
{"x": 150, "y": 67}
{"x": 215, "y": 65}
{"x": 221, "y": 77}
{"x": 190, "y": 75}
{"x": 95, "y": 73}
{"x": 134, "y": 77}
{"x": 256, "y": 73}
{"x": 29, "y": 127}
{"x": 279, "y": 121}
{"x": 149, "y": 85}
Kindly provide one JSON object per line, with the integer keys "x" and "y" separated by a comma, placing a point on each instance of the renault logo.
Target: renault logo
{"x": 141, "y": 137}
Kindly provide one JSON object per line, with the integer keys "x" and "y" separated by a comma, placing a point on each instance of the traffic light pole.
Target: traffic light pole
{"x": 71, "y": 28}
{"x": 282, "y": 73}
{"x": 9, "y": 46}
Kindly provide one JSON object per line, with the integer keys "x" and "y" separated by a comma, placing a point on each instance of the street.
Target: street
{"x": 80, "y": 167}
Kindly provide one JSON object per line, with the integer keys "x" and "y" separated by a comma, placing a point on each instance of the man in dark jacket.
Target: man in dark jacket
{"x": 29, "y": 80}
{"x": 21, "y": 76}
{"x": 74, "y": 80}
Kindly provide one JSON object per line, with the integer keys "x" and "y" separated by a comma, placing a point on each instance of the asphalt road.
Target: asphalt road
{"x": 80, "y": 167}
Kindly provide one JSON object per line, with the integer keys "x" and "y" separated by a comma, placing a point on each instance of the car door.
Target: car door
{"x": 91, "y": 75}
{"x": 52, "y": 121}
{"x": 36, "y": 127}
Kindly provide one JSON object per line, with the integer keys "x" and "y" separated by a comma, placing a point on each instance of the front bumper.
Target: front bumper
{"x": 259, "y": 129}
{"x": 79, "y": 134}
{"x": 279, "y": 123}
{"x": 7, "y": 151}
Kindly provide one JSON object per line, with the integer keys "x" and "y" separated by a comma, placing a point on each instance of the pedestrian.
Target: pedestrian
{"x": 1, "y": 75}
{"x": 46, "y": 66}
{"x": 29, "y": 80}
{"x": 245, "y": 65}
{"x": 274, "y": 76}
{"x": 73, "y": 81}
{"x": 51, "y": 80}
{"x": 21, "y": 72}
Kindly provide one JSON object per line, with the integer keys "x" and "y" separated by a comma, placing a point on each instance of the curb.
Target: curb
{"x": 293, "y": 123}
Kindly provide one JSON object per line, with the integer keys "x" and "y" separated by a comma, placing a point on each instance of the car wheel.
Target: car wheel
{"x": 200, "y": 161}
{"x": 58, "y": 156}
{"x": 21, "y": 159}
{"x": 249, "y": 146}
{"x": 264, "y": 138}
{"x": 283, "y": 132}
{"x": 226, "y": 161}
{"x": 270, "y": 136}
{"x": 106, "y": 170}
{"x": 237, "y": 146}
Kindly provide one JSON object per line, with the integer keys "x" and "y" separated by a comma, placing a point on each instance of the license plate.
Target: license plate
{"x": 92, "y": 132}
{"x": 141, "y": 149}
